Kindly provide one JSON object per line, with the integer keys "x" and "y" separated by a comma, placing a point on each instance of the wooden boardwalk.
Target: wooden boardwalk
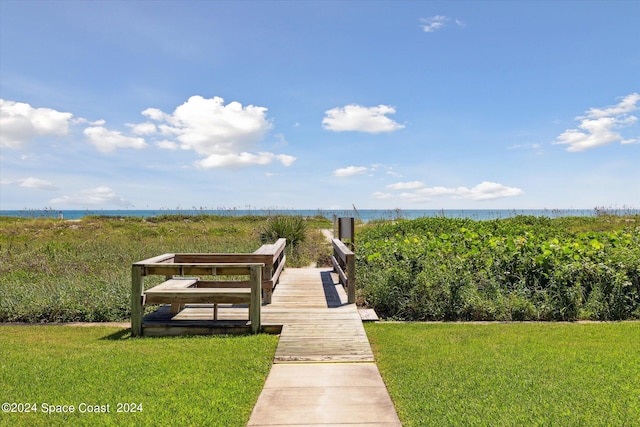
{"x": 324, "y": 372}
{"x": 308, "y": 308}
{"x": 317, "y": 323}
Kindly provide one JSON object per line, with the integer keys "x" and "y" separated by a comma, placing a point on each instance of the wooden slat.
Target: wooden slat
{"x": 178, "y": 283}
{"x": 221, "y": 259}
{"x": 198, "y": 295}
{"x": 190, "y": 269}
{"x": 157, "y": 259}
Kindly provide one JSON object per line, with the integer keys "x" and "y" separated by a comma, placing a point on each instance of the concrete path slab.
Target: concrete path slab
{"x": 324, "y": 394}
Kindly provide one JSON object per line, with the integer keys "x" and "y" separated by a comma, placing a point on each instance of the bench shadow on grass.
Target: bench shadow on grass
{"x": 123, "y": 334}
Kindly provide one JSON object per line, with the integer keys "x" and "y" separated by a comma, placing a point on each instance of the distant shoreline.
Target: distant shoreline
{"x": 365, "y": 215}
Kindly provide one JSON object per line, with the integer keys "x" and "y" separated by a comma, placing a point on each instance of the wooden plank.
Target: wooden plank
{"x": 338, "y": 269}
{"x": 341, "y": 249}
{"x": 198, "y": 295}
{"x": 368, "y": 315}
{"x": 175, "y": 283}
{"x": 221, "y": 259}
{"x": 157, "y": 259}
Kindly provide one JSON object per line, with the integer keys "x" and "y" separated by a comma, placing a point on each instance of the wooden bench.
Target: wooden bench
{"x": 177, "y": 292}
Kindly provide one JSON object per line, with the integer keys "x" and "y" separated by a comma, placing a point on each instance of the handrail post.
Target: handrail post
{"x": 137, "y": 307}
{"x": 256, "y": 288}
{"x": 351, "y": 278}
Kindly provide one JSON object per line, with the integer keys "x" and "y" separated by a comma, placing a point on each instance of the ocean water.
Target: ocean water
{"x": 365, "y": 215}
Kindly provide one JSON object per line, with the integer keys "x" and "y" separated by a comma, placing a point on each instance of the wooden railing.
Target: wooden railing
{"x": 274, "y": 260}
{"x": 269, "y": 260}
{"x": 344, "y": 263}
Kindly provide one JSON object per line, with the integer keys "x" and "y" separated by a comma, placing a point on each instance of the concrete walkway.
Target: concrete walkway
{"x": 314, "y": 380}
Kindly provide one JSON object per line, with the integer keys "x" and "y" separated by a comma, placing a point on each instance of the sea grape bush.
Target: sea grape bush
{"x": 523, "y": 268}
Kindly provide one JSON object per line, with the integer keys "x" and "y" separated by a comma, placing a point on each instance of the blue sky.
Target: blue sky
{"x": 319, "y": 104}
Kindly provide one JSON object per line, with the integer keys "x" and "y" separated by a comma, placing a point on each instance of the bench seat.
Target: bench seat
{"x": 199, "y": 295}
{"x": 178, "y": 292}
{"x": 176, "y": 283}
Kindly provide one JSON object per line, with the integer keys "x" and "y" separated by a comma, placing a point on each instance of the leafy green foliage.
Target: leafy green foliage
{"x": 292, "y": 228}
{"x": 524, "y": 268}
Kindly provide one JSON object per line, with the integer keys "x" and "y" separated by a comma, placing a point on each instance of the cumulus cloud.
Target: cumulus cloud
{"x": 146, "y": 128}
{"x": 226, "y": 135}
{"x": 599, "y": 126}
{"x": 361, "y": 119}
{"x": 406, "y": 185}
{"x": 21, "y": 123}
{"x": 484, "y": 191}
{"x": 437, "y": 22}
{"x": 487, "y": 191}
{"x": 350, "y": 171}
{"x": 106, "y": 141}
{"x": 96, "y": 197}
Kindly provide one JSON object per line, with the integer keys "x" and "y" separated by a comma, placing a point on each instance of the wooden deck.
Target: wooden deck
{"x": 308, "y": 308}
{"x": 318, "y": 324}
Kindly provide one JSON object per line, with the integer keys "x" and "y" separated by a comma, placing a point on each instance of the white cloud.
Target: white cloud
{"x": 37, "y": 184}
{"x": 406, "y": 185}
{"x": 484, "y": 191}
{"x": 349, "y": 171}
{"x": 243, "y": 159}
{"x": 440, "y": 191}
{"x": 106, "y": 141}
{"x": 599, "y": 126}
{"x": 96, "y": 197}
{"x": 487, "y": 191}
{"x": 627, "y": 105}
{"x": 146, "y": 128}
{"x": 225, "y": 135}
{"x": 21, "y": 123}
{"x": 167, "y": 145}
{"x": 435, "y": 23}
{"x": 360, "y": 119}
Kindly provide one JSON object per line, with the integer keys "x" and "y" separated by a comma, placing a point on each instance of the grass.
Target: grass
{"x": 196, "y": 381}
{"x": 518, "y": 374}
{"x": 58, "y": 271}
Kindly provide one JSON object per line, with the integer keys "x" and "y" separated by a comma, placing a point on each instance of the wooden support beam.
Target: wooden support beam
{"x": 137, "y": 302}
{"x": 256, "y": 303}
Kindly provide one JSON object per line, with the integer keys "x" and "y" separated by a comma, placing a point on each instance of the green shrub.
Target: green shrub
{"x": 292, "y": 228}
{"x": 523, "y": 268}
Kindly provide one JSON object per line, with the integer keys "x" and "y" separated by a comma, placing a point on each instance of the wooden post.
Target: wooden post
{"x": 256, "y": 300}
{"x": 268, "y": 275}
{"x": 137, "y": 308}
{"x": 351, "y": 278}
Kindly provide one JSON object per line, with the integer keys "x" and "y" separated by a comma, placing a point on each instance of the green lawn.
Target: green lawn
{"x": 551, "y": 374}
{"x": 213, "y": 381}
